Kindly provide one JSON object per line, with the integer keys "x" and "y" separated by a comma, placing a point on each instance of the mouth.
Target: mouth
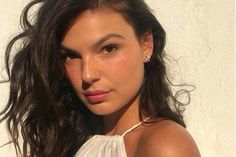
{"x": 97, "y": 96}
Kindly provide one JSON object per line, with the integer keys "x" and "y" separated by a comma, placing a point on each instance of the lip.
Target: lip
{"x": 96, "y": 96}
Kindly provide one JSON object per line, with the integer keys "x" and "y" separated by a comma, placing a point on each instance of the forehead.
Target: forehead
{"x": 100, "y": 18}
{"x": 92, "y": 25}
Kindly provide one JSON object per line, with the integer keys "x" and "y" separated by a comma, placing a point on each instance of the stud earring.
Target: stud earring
{"x": 146, "y": 59}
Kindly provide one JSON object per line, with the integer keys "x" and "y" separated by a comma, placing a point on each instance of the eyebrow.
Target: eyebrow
{"x": 66, "y": 50}
{"x": 97, "y": 44}
{"x": 105, "y": 38}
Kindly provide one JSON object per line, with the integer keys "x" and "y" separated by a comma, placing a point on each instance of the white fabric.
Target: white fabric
{"x": 105, "y": 146}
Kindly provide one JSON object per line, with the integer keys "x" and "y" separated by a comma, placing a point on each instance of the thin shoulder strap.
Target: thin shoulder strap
{"x": 133, "y": 127}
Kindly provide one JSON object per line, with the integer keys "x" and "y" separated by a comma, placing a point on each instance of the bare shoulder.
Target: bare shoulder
{"x": 166, "y": 139}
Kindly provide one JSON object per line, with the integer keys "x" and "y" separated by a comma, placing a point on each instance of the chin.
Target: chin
{"x": 103, "y": 110}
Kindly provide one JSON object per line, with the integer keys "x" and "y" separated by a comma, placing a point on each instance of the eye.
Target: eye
{"x": 69, "y": 57}
{"x": 110, "y": 48}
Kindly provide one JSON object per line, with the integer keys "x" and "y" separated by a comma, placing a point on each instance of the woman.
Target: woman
{"x": 90, "y": 80}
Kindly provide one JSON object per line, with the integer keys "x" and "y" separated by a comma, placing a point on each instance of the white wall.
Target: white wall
{"x": 200, "y": 37}
{"x": 9, "y": 17}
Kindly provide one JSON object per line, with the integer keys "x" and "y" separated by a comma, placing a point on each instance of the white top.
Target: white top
{"x": 105, "y": 146}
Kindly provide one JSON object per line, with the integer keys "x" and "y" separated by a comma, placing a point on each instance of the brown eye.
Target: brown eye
{"x": 110, "y": 48}
{"x": 69, "y": 55}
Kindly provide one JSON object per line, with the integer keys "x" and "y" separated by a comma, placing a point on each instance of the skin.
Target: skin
{"x": 163, "y": 139}
{"x": 104, "y": 54}
{"x": 97, "y": 66}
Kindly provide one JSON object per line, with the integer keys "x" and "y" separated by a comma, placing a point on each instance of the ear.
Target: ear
{"x": 147, "y": 45}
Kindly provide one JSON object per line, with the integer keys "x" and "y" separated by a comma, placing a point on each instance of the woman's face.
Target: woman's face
{"x": 104, "y": 60}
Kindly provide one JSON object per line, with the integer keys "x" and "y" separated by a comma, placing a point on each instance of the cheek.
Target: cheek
{"x": 127, "y": 70}
{"x": 74, "y": 75}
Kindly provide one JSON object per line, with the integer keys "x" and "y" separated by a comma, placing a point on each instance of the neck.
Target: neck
{"x": 118, "y": 122}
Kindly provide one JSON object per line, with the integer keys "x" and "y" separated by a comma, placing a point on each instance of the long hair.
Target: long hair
{"x": 43, "y": 107}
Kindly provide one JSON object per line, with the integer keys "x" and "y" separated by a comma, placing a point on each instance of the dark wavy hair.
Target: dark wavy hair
{"x": 43, "y": 107}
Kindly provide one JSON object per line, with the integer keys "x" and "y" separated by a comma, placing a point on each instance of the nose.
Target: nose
{"x": 90, "y": 72}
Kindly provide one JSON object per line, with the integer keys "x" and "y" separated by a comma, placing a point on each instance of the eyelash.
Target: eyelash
{"x": 108, "y": 49}
{"x": 67, "y": 56}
